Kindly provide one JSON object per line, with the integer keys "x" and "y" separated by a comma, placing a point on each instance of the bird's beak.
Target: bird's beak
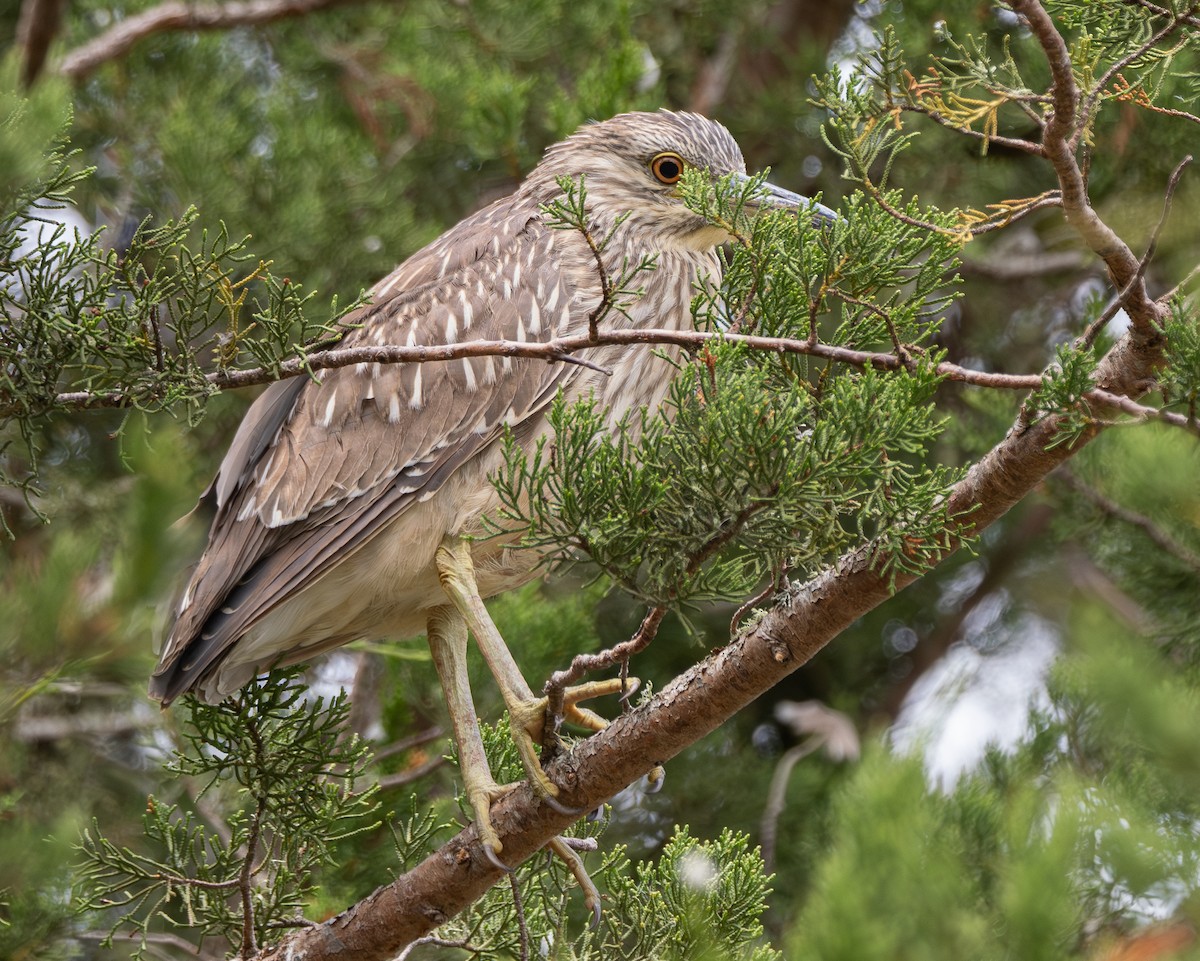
{"x": 768, "y": 195}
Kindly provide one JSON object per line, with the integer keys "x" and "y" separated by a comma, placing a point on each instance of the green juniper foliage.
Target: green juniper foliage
{"x": 292, "y": 783}
{"x": 144, "y": 327}
{"x": 288, "y": 782}
{"x": 1091, "y": 817}
{"x": 758, "y": 467}
{"x": 700, "y": 901}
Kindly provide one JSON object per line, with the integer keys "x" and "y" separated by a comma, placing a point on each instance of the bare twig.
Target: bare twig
{"x": 1170, "y": 295}
{"x": 713, "y": 78}
{"x": 1157, "y": 536}
{"x": 519, "y": 907}
{"x": 1013, "y": 143}
{"x": 901, "y": 350}
{"x": 777, "y": 796}
{"x": 1058, "y": 141}
{"x": 877, "y": 360}
{"x": 167, "y": 939}
{"x": 407, "y": 743}
{"x": 245, "y": 881}
{"x": 334, "y": 358}
{"x": 1009, "y": 214}
{"x": 1110, "y": 312}
{"x": 462, "y": 944}
{"x": 1020, "y": 266}
{"x": 583, "y": 663}
{"x": 1158, "y": 11}
{"x": 402, "y": 778}
{"x": 773, "y": 587}
{"x": 179, "y": 15}
{"x": 1138, "y": 411}
{"x": 92, "y": 724}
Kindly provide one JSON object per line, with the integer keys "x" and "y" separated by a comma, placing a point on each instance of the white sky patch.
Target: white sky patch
{"x": 974, "y": 697}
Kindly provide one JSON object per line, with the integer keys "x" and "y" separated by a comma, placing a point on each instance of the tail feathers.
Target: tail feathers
{"x": 187, "y": 663}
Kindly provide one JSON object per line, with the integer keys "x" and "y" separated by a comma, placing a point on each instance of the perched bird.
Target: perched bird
{"x": 347, "y": 506}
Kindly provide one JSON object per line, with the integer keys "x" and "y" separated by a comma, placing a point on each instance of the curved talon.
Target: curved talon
{"x": 561, "y": 808}
{"x": 495, "y": 859}
{"x": 655, "y": 779}
{"x": 596, "y": 815}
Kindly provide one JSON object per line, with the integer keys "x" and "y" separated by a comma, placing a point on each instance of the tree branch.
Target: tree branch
{"x": 179, "y": 15}
{"x": 1058, "y": 142}
{"x": 562, "y": 349}
{"x": 558, "y": 349}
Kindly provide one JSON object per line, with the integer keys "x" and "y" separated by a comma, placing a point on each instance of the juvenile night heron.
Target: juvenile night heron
{"x": 346, "y": 506}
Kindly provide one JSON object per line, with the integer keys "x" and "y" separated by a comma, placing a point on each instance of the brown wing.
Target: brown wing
{"x": 317, "y": 469}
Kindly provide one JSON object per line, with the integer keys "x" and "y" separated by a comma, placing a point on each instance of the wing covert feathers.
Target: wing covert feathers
{"x": 319, "y": 467}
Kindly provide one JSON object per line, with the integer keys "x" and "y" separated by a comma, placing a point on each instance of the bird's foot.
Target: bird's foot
{"x": 482, "y": 791}
{"x": 565, "y": 849}
{"x": 530, "y": 726}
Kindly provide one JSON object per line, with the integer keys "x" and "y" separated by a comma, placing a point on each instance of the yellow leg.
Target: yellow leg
{"x": 448, "y": 644}
{"x": 526, "y": 712}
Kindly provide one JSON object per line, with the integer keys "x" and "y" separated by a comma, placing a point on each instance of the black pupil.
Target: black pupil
{"x": 668, "y": 169}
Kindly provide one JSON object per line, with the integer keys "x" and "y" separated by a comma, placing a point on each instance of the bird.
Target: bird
{"x": 351, "y": 504}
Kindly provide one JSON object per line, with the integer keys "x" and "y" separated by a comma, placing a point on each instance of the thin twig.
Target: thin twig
{"x": 1170, "y": 295}
{"x": 777, "y": 796}
{"x": 1158, "y": 11}
{"x": 247, "y": 872}
{"x": 619, "y": 653}
{"x": 119, "y": 39}
{"x": 1089, "y": 103}
{"x": 1010, "y": 215}
{"x": 1013, "y": 143}
{"x": 407, "y": 743}
{"x": 334, "y": 358}
{"x": 156, "y": 937}
{"x": 462, "y": 944}
{"x": 522, "y": 925}
{"x": 1110, "y": 312}
{"x": 1141, "y": 412}
{"x": 713, "y": 78}
{"x": 902, "y": 353}
{"x": 402, "y": 778}
{"x": 1145, "y": 524}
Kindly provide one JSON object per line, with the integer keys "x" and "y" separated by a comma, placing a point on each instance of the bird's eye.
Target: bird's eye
{"x": 667, "y": 168}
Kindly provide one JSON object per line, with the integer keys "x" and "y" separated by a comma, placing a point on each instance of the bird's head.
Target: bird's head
{"x": 633, "y": 164}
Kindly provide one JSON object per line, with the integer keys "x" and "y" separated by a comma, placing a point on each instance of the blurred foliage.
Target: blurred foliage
{"x": 344, "y": 141}
{"x": 293, "y": 780}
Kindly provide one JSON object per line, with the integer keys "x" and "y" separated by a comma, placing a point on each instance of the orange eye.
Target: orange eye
{"x": 667, "y": 168}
